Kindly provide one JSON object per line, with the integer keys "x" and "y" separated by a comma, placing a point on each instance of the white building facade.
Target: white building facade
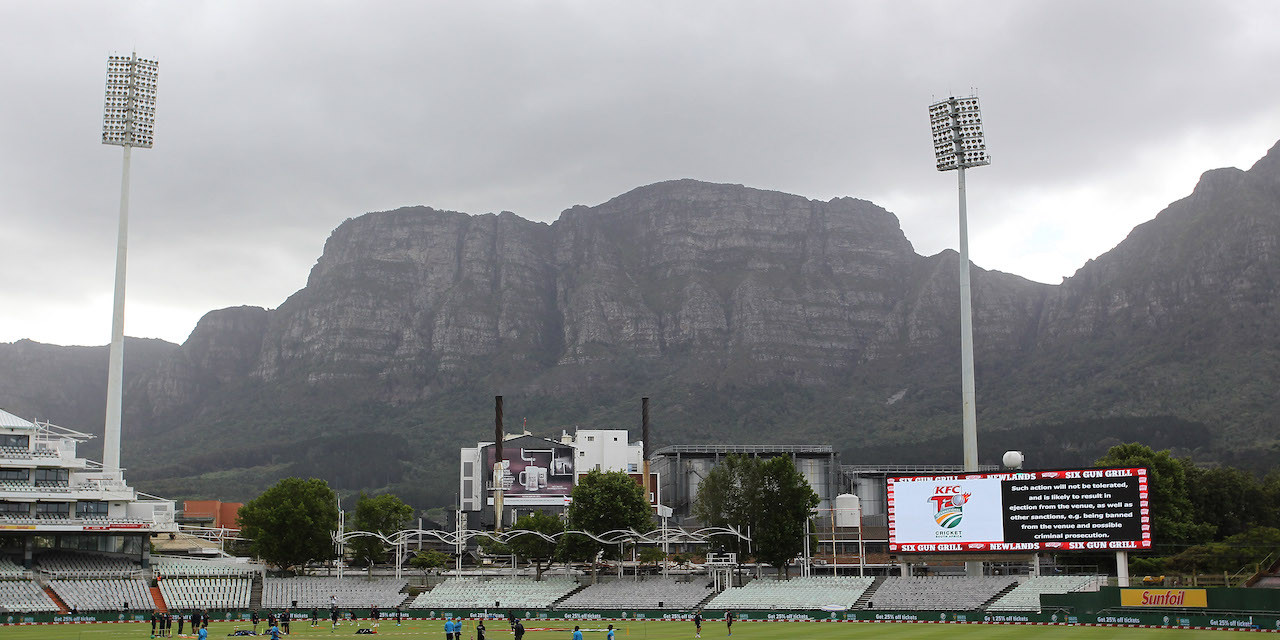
{"x": 539, "y": 473}
{"x": 52, "y": 499}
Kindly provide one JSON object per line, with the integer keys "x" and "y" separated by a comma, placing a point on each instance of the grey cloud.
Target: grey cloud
{"x": 279, "y": 120}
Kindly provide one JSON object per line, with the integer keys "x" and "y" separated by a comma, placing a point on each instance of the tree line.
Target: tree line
{"x": 1203, "y": 519}
{"x": 291, "y": 523}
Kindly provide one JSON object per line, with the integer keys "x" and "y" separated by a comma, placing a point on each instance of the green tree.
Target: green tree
{"x": 1229, "y": 498}
{"x": 727, "y": 497}
{"x": 605, "y": 501}
{"x": 384, "y": 515}
{"x": 489, "y": 546}
{"x": 1173, "y": 518}
{"x": 651, "y": 556}
{"x": 576, "y": 548}
{"x": 768, "y": 498}
{"x": 784, "y": 503}
{"x": 427, "y": 560}
{"x": 533, "y": 548}
{"x": 1230, "y": 555}
{"x": 292, "y": 523}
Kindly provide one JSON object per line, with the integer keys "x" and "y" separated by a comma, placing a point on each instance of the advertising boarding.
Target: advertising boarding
{"x": 1059, "y": 510}
{"x": 535, "y": 471}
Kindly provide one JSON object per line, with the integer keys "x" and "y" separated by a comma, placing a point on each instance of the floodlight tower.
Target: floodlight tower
{"x": 128, "y": 121}
{"x": 958, "y": 144}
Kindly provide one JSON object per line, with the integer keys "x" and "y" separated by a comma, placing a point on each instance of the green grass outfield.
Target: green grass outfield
{"x": 562, "y": 630}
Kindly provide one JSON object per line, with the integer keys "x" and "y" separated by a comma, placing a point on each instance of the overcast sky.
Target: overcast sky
{"x": 278, "y": 120}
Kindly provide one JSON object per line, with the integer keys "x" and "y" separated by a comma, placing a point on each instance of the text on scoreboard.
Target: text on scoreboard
{"x": 1064, "y": 510}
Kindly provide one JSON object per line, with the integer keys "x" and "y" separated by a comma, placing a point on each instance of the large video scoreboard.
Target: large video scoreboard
{"x": 1061, "y": 510}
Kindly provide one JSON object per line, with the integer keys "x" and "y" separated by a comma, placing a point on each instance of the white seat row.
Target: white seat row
{"x": 797, "y": 593}
{"x": 103, "y": 595}
{"x": 174, "y": 567}
{"x": 17, "y": 485}
{"x": 10, "y": 569}
{"x": 1026, "y": 596}
{"x": 24, "y": 596}
{"x": 320, "y": 592}
{"x": 84, "y": 565}
{"x": 648, "y": 594}
{"x": 206, "y": 593}
{"x": 496, "y": 593}
{"x": 938, "y": 593}
{"x": 23, "y": 453}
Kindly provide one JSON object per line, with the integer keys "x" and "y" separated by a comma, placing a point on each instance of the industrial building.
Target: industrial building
{"x": 538, "y": 474}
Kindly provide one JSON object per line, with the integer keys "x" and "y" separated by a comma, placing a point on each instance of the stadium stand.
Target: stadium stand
{"x": 798, "y": 593}
{"x": 189, "y": 567}
{"x": 206, "y": 593}
{"x": 649, "y": 594}
{"x": 499, "y": 592}
{"x": 62, "y": 564}
{"x": 104, "y": 595}
{"x": 938, "y": 593}
{"x": 24, "y": 596}
{"x": 318, "y": 592}
{"x": 1026, "y": 596}
{"x": 10, "y": 570}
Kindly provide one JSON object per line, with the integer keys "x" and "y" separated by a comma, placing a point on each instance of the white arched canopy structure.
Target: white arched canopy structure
{"x": 662, "y": 535}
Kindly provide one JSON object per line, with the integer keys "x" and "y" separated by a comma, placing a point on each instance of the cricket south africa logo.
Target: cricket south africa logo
{"x": 948, "y": 503}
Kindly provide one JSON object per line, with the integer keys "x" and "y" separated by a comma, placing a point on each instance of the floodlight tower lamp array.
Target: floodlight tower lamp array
{"x": 958, "y": 138}
{"x": 129, "y": 114}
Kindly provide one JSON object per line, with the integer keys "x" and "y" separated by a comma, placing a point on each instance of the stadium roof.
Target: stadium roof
{"x": 892, "y": 469}
{"x": 745, "y": 448}
{"x": 10, "y": 421}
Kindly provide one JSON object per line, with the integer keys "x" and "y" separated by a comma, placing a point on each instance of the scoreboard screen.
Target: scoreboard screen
{"x": 1061, "y": 510}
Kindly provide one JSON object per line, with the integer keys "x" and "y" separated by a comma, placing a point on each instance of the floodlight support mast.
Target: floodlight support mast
{"x": 967, "y": 394}
{"x": 115, "y": 358}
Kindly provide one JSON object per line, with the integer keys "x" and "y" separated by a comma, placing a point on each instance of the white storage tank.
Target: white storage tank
{"x": 848, "y": 513}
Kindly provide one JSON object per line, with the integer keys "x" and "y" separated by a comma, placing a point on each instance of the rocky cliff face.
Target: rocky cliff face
{"x": 690, "y": 274}
{"x": 68, "y": 385}
{"x": 704, "y": 283}
{"x": 752, "y": 315}
{"x": 414, "y": 298}
{"x": 1184, "y": 311}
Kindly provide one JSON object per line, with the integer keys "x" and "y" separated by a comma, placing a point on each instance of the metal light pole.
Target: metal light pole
{"x": 958, "y": 143}
{"x": 128, "y": 121}
{"x": 338, "y": 541}
{"x": 862, "y": 547}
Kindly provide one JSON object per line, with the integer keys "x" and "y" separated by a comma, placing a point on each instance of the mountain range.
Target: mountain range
{"x": 748, "y": 316}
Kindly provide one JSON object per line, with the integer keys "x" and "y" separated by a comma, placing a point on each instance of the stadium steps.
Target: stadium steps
{"x": 62, "y": 606}
{"x": 1002, "y": 594}
{"x": 255, "y": 592}
{"x": 863, "y": 599}
{"x": 1268, "y": 576}
{"x": 703, "y": 602}
{"x": 158, "y": 597}
{"x": 556, "y": 604}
